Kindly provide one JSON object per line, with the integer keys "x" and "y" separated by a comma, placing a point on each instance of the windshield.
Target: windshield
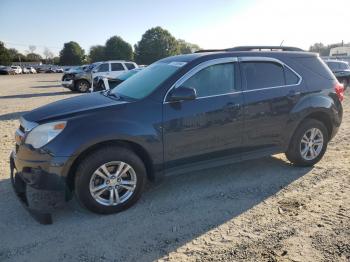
{"x": 338, "y": 65}
{"x": 146, "y": 81}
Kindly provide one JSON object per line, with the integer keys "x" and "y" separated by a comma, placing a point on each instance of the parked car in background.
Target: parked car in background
{"x": 113, "y": 69}
{"x": 31, "y": 70}
{"x": 178, "y": 115}
{"x": 59, "y": 70}
{"x": 40, "y": 70}
{"x": 50, "y": 70}
{"x": 105, "y": 83}
{"x": 6, "y": 70}
{"x": 341, "y": 70}
{"x": 79, "y": 79}
{"x": 25, "y": 70}
{"x": 17, "y": 69}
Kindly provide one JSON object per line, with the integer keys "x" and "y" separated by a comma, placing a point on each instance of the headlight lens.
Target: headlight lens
{"x": 43, "y": 134}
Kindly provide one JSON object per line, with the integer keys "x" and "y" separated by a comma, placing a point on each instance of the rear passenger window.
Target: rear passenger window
{"x": 263, "y": 74}
{"x": 129, "y": 66}
{"x": 117, "y": 67}
{"x": 213, "y": 80}
{"x": 103, "y": 68}
{"x": 291, "y": 77}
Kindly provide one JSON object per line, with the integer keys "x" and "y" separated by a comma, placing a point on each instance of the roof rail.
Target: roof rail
{"x": 210, "y": 50}
{"x": 263, "y": 48}
{"x": 253, "y": 48}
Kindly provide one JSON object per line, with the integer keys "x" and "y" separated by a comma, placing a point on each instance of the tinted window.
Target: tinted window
{"x": 129, "y": 66}
{"x": 291, "y": 77}
{"x": 213, "y": 80}
{"x": 263, "y": 74}
{"x": 316, "y": 65}
{"x": 117, "y": 67}
{"x": 103, "y": 68}
{"x": 344, "y": 66}
{"x": 333, "y": 65}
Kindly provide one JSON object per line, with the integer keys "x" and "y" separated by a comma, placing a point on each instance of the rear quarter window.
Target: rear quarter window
{"x": 291, "y": 77}
{"x": 316, "y": 65}
{"x": 129, "y": 66}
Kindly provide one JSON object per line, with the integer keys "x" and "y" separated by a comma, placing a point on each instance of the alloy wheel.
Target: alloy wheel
{"x": 311, "y": 144}
{"x": 113, "y": 183}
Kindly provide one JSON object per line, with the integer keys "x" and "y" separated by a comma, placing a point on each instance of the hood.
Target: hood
{"x": 71, "y": 106}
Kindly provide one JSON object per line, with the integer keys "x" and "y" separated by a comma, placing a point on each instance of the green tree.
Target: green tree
{"x": 320, "y": 48}
{"x": 324, "y": 50}
{"x": 116, "y": 48}
{"x": 97, "y": 53}
{"x": 187, "y": 48}
{"x": 16, "y": 56}
{"x": 71, "y": 54}
{"x": 5, "y": 58}
{"x": 156, "y": 43}
{"x": 33, "y": 57}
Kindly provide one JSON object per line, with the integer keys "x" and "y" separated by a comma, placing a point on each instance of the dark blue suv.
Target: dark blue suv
{"x": 180, "y": 114}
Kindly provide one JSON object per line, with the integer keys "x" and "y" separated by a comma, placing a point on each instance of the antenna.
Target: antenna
{"x": 281, "y": 42}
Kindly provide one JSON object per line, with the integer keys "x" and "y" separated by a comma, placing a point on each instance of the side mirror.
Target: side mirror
{"x": 182, "y": 93}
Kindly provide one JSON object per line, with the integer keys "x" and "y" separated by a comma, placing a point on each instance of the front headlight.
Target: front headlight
{"x": 43, "y": 134}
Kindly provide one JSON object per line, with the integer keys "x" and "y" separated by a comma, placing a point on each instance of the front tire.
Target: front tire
{"x": 82, "y": 86}
{"x": 308, "y": 144}
{"x": 110, "y": 180}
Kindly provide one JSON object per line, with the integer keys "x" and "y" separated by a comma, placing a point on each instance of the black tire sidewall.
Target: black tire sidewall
{"x": 95, "y": 160}
{"x": 294, "y": 155}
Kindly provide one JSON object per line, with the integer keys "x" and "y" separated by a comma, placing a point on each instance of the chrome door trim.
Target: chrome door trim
{"x": 205, "y": 64}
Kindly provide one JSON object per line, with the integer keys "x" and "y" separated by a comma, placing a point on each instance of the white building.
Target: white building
{"x": 340, "y": 51}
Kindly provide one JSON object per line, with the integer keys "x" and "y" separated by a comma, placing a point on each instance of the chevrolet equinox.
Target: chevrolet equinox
{"x": 179, "y": 114}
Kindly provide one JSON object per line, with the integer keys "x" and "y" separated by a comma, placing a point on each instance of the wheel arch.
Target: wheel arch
{"x": 140, "y": 151}
{"x": 319, "y": 115}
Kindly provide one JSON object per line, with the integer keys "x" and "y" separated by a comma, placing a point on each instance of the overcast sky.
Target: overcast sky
{"x": 208, "y": 23}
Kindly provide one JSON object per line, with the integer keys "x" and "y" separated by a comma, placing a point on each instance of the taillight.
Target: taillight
{"x": 339, "y": 90}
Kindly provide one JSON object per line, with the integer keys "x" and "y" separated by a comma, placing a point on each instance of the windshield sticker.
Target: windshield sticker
{"x": 178, "y": 64}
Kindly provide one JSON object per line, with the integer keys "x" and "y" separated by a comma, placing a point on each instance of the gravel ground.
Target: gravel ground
{"x": 262, "y": 210}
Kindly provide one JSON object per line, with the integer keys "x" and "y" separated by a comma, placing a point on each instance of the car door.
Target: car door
{"x": 209, "y": 126}
{"x": 271, "y": 90}
{"x": 116, "y": 69}
{"x": 101, "y": 70}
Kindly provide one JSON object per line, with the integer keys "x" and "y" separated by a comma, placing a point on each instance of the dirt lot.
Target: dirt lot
{"x": 262, "y": 210}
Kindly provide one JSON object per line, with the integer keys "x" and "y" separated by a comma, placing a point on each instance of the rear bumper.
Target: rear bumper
{"x": 26, "y": 174}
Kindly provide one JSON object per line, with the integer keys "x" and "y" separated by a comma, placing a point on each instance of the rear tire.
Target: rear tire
{"x": 308, "y": 144}
{"x": 128, "y": 186}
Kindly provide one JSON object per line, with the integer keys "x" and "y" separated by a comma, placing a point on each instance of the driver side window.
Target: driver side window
{"x": 213, "y": 80}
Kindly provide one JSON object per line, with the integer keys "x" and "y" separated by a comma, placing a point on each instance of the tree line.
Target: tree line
{"x": 323, "y": 49}
{"x": 155, "y": 43}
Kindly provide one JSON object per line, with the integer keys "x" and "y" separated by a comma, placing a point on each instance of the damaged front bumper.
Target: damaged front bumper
{"x": 24, "y": 176}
